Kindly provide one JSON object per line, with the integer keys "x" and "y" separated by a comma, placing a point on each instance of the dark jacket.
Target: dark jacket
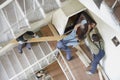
{"x": 21, "y": 38}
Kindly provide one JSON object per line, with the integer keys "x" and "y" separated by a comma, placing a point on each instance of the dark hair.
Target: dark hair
{"x": 81, "y": 33}
{"x": 38, "y": 76}
{"x": 39, "y": 73}
{"x": 95, "y": 37}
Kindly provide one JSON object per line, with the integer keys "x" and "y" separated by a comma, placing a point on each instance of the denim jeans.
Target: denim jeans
{"x": 20, "y": 46}
{"x": 96, "y": 60}
{"x": 71, "y": 40}
{"x": 62, "y": 46}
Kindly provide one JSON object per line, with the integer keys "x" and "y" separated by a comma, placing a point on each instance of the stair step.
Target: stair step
{"x": 15, "y": 62}
{"x": 16, "y": 78}
{"x": 44, "y": 63}
{"x": 36, "y": 67}
{"x": 28, "y": 73}
{"x": 37, "y": 50}
{"x": 48, "y": 5}
{"x": 7, "y": 66}
{"x": 22, "y": 76}
{"x": 45, "y": 47}
{"x": 3, "y": 74}
{"x": 22, "y": 58}
{"x": 30, "y": 55}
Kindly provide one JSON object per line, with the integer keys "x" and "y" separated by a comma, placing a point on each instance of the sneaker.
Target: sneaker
{"x": 88, "y": 68}
{"x": 29, "y": 48}
{"x": 20, "y": 52}
{"x": 70, "y": 58}
{"x": 88, "y": 72}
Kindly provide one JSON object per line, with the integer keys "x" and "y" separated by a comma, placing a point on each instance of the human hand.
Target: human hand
{"x": 76, "y": 26}
{"x": 21, "y": 42}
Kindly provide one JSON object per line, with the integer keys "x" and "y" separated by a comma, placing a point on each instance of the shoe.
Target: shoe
{"x": 20, "y": 52}
{"x": 29, "y": 48}
{"x": 88, "y": 68}
{"x": 70, "y": 58}
{"x": 88, "y": 72}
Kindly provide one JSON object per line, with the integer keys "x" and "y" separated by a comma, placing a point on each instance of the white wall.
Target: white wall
{"x": 110, "y": 64}
{"x": 108, "y": 31}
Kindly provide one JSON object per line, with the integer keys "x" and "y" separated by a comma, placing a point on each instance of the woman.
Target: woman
{"x": 79, "y": 33}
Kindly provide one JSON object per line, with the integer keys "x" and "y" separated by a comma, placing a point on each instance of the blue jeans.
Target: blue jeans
{"x": 20, "y": 46}
{"x": 71, "y": 39}
{"x": 62, "y": 46}
{"x": 96, "y": 60}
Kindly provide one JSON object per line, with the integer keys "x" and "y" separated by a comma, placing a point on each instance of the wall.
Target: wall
{"x": 107, "y": 31}
{"x": 37, "y": 25}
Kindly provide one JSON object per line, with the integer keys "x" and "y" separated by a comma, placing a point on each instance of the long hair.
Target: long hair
{"x": 82, "y": 32}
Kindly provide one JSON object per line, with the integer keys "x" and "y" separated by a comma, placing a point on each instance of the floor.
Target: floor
{"x": 55, "y": 71}
{"x": 77, "y": 67}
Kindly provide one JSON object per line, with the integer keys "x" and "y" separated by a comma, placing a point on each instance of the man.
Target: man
{"x": 97, "y": 48}
{"x": 22, "y": 40}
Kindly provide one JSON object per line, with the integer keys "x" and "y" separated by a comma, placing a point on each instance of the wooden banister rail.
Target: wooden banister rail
{"x": 55, "y": 37}
{"x": 41, "y": 39}
{"x": 54, "y": 31}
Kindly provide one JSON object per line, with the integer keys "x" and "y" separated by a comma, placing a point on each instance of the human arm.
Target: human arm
{"x": 70, "y": 36}
{"x": 78, "y": 25}
{"x": 32, "y": 34}
{"x": 102, "y": 44}
{"x": 21, "y": 40}
{"x": 91, "y": 27}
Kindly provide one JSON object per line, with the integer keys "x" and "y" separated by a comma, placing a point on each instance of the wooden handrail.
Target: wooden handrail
{"x": 41, "y": 39}
{"x": 54, "y": 31}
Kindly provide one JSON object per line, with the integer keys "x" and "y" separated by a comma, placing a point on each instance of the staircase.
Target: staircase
{"x": 18, "y": 16}
{"x": 65, "y": 67}
{"x": 16, "y": 66}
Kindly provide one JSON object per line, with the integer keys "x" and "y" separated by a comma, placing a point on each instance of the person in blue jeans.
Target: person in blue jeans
{"x": 97, "y": 48}
{"x": 72, "y": 39}
{"x": 22, "y": 40}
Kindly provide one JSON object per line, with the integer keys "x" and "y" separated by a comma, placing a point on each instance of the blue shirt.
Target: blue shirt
{"x": 71, "y": 38}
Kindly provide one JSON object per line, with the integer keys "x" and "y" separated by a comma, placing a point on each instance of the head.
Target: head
{"x": 82, "y": 16}
{"x": 93, "y": 25}
{"x": 27, "y": 36}
{"x": 95, "y": 37}
{"x": 39, "y": 74}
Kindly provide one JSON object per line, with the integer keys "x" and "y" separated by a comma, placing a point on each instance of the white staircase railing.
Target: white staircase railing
{"x": 65, "y": 67}
{"x": 37, "y": 62}
{"x": 86, "y": 61}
